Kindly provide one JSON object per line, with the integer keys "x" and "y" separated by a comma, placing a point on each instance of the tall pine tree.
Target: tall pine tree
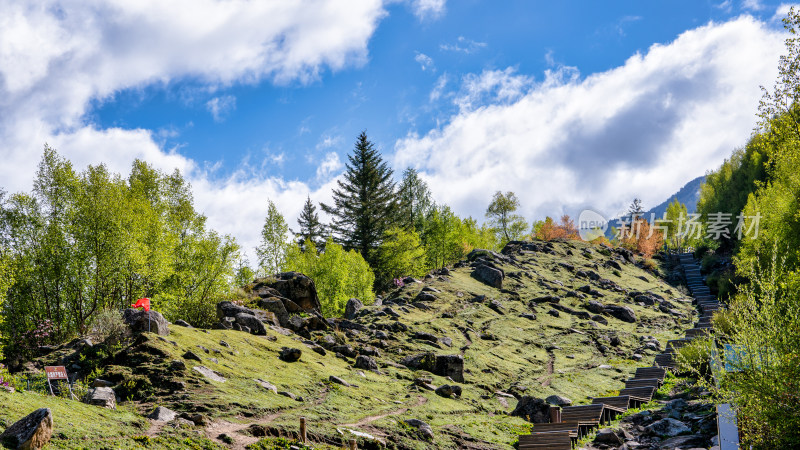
{"x": 365, "y": 203}
{"x": 310, "y": 227}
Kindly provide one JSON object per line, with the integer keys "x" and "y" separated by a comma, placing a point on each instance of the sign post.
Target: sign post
{"x": 57, "y": 373}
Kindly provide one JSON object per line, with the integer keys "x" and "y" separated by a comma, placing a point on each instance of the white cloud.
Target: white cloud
{"x": 330, "y": 165}
{"x": 463, "y": 45}
{"x": 642, "y": 129}
{"x": 428, "y": 9}
{"x": 328, "y": 141}
{"x": 425, "y": 61}
{"x": 59, "y": 57}
{"x": 438, "y": 88}
{"x": 783, "y": 10}
{"x": 753, "y": 5}
{"x": 493, "y": 86}
{"x": 219, "y": 107}
{"x": 726, "y": 5}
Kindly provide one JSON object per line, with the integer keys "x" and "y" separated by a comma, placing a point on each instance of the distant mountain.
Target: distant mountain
{"x": 689, "y": 194}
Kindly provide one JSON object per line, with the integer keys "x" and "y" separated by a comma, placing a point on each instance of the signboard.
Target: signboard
{"x": 55, "y": 373}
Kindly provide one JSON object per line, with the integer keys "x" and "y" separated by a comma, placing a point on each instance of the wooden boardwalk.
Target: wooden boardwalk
{"x": 578, "y": 421}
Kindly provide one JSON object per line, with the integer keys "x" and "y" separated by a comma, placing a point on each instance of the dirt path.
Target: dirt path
{"x": 369, "y": 419}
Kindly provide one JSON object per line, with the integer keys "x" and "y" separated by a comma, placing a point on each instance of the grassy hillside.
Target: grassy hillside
{"x": 503, "y": 353}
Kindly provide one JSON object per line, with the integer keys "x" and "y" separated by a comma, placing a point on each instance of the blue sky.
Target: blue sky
{"x": 570, "y": 104}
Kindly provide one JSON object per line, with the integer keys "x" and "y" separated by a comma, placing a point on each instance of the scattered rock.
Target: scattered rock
{"x": 183, "y": 323}
{"x": 497, "y": 307}
{"x": 276, "y": 307}
{"x": 622, "y": 313}
{"x": 534, "y": 410}
{"x": 667, "y": 427}
{"x": 337, "y": 380}
{"x": 99, "y": 382}
{"x": 140, "y": 320}
{"x": 31, "y": 432}
{"x": 448, "y": 391}
{"x": 558, "y": 400}
{"x": 296, "y": 287}
{"x": 607, "y": 436}
{"x": 192, "y": 355}
{"x": 289, "y": 354}
{"x": 489, "y": 275}
{"x": 210, "y": 374}
{"x": 267, "y": 385}
{"x": 424, "y": 429}
{"x": 553, "y": 313}
{"x": 365, "y": 362}
{"x": 450, "y": 366}
{"x": 101, "y": 396}
{"x": 252, "y": 323}
{"x": 162, "y": 414}
{"x": 352, "y": 308}
{"x": 595, "y": 307}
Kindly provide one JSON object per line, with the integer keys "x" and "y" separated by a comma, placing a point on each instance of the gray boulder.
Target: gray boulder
{"x": 365, "y": 362}
{"x": 228, "y": 309}
{"x": 450, "y": 366}
{"x": 595, "y": 307}
{"x": 162, "y": 414}
{"x": 424, "y": 429}
{"x": 250, "y": 321}
{"x": 101, "y": 396}
{"x": 276, "y": 307}
{"x": 31, "y": 432}
{"x": 489, "y": 275}
{"x": 558, "y": 400}
{"x": 667, "y": 427}
{"x": 298, "y": 288}
{"x": 337, "y": 380}
{"x": 534, "y": 410}
{"x": 140, "y": 320}
{"x": 622, "y": 313}
{"x": 607, "y": 436}
{"x": 290, "y": 354}
{"x": 352, "y": 307}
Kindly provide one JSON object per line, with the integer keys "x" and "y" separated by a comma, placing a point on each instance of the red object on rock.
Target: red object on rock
{"x": 142, "y": 303}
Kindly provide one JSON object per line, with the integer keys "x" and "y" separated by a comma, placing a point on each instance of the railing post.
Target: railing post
{"x": 352, "y": 444}
{"x": 303, "y": 430}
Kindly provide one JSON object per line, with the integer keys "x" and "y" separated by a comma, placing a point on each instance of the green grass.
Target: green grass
{"x": 518, "y": 356}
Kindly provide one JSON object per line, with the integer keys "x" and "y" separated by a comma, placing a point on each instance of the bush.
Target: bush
{"x": 108, "y": 327}
{"x": 338, "y": 274}
{"x": 650, "y": 264}
{"x": 693, "y": 358}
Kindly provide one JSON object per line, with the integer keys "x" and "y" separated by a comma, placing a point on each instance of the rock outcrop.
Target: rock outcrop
{"x": 32, "y": 432}
{"x": 140, "y": 320}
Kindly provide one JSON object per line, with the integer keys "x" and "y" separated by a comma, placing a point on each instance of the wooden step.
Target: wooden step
{"x": 642, "y": 382}
{"x": 645, "y": 392}
{"x": 552, "y": 440}
{"x": 651, "y": 372}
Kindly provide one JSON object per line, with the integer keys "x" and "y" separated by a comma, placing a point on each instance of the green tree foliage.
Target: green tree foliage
{"x": 415, "y": 200}
{"x": 676, "y": 217}
{"x": 274, "y": 241}
{"x": 763, "y": 318}
{"x": 400, "y": 254}
{"x": 364, "y": 204}
{"x": 500, "y": 213}
{"x": 310, "y": 227}
{"x": 84, "y": 242}
{"x": 338, "y": 274}
{"x": 448, "y": 238}
{"x": 727, "y": 189}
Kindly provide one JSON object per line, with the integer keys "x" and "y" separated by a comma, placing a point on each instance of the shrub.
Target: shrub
{"x": 694, "y": 358}
{"x": 108, "y": 327}
{"x": 650, "y": 264}
{"x": 338, "y": 274}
